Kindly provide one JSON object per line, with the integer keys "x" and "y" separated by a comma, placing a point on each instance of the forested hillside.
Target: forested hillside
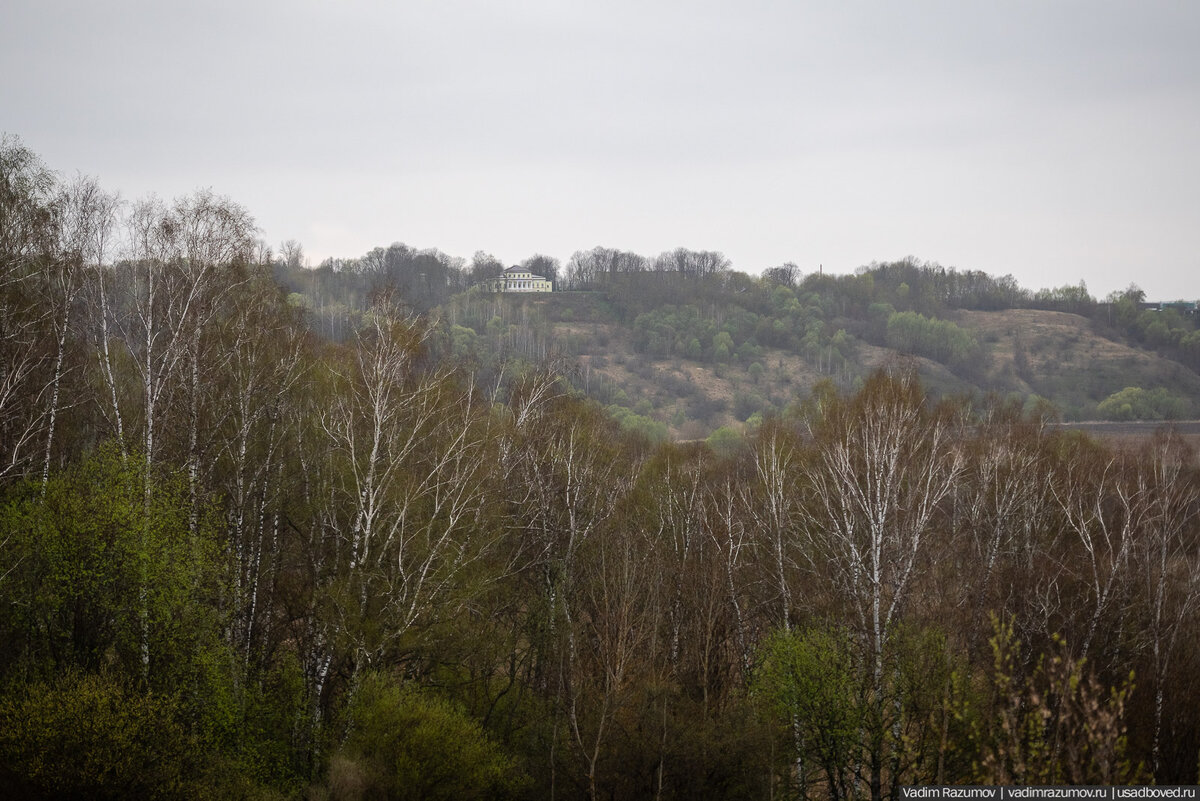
{"x": 682, "y": 346}
{"x": 272, "y": 533}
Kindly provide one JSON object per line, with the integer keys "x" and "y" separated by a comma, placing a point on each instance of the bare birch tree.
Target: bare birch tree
{"x": 1106, "y": 503}
{"x": 882, "y": 466}
{"x": 563, "y": 485}
{"x": 410, "y": 451}
{"x": 87, "y": 217}
{"x": 264, "y": 364}
{"x": 165, "y": 300}
{"x": 28, "y": 241}
{"x": 1002, "y": 504}
{"x": 1170, "y": 557}
{"x": 614, "y": 624}
{"x": 773, "y": 500}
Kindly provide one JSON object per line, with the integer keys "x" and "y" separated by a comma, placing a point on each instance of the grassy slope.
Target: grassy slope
{"x": 1065, "y": 361}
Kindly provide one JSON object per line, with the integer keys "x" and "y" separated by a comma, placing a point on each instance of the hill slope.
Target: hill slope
{"x": 682, "y": 351}
{"x": 1031, "y": 353}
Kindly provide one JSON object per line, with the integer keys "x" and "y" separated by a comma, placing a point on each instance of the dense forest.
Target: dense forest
{"x": 254, "y": 546}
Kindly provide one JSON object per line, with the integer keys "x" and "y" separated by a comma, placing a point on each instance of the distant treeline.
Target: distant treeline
{"x": 860, "y": 305}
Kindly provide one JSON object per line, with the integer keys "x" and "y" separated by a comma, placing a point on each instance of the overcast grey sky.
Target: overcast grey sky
{"x": 1056, "y": 141}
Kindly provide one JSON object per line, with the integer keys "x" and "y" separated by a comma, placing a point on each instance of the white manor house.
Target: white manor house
{"x": 518, "y": 279}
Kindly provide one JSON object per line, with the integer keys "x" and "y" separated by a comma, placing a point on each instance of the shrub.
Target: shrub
{"x": 940, "y": 340}
{"x": 90, "y": 736}
{"x": 1135, "y": 403}
{"x": 725, "y": 441}
{"x": 405, "y": 743}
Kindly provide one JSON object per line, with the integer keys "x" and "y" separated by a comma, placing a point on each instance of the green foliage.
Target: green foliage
{"x": 671, "y": 330}
{"x": 722, "y": 346}
{"x": 104, "y": 571}
{"x": 405, "y": 743}
{"x": 99, "y": 578}
{"x": 1055, "y": 725}
{"x": 732, "y": 327}
{"x": 642, "y": 424}
{"x": 92, "y": 736}
{"x": 265, "y": 746}
{"x": 940, "y": 340}
{"x": 1135, "y": 403}
{"x": 725, "y": 441}
{"x": 463, "y": 343}
{"x": 809, "y": 679}
{"x": 1069, "y": 298}
{"x": 747, "y": 403}
{"x": 816, "y": 683}
{"x": 881, "y": 311}
{"x": 1169, "y": 330}
{"x": 1190, "y": 345}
